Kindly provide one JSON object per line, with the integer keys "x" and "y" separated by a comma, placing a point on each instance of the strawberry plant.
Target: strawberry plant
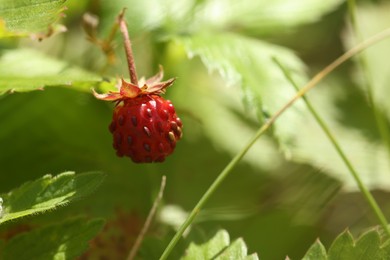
{"x": 284, "y": 106}
{"x": 145, "y": 125}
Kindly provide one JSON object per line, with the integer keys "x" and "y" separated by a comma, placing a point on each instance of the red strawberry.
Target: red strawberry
{"x": 145, "y": 126}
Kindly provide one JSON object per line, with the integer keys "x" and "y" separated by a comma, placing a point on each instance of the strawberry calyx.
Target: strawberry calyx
{"x": 145, "y": 126}
{"x": 128, "y": 90}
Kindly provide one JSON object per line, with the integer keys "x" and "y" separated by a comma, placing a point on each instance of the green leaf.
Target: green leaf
{"x": 210, "y": 93}
{"x": 339, "y": 104}
{"x": 372, "y": 19}
{"x": 368, "y": 247}
{"x": 316, "y": 252}
{"x": 148, "y": 15}
{"x": 342, "y": 246}
{"x": 27, "y": 69}
{"x": 47, "y": 193}
{"x": 264, "y": 17}
{"x": 219, "y": 247}
{"x": 248, "y": 63}
{"x": 61, "y": 241}
{"x": 237, "y": 250}
{"x": 20, "y": 18}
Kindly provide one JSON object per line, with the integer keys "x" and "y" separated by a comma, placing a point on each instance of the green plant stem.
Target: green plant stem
{"x": 366, "y": 193}
{"x": 380, "y": 119}
{"x": 313, "y": 82}
{"x": 137, "y": 244}
{"x": 211, "y": 190}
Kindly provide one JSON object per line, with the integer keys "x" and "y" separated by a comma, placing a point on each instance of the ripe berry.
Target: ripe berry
{"x": 145, "y": 126}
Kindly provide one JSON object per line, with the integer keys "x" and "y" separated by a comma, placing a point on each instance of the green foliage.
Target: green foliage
{"x": 259, "y": 17}
{"x": 48, "y": 193}
{"x": 269, "y": 17}
{"x": 316, "y": 252}
{"x": 66, "y": 240}
{"x": 219, "y": 247}
{"x": 247, "y": 62}
{"x": 265, "y": 88}
{"x": 20, "y": 18}
{"x": 368, "y": 246}
{"x": 227, "y": 118}
{"x": 27, "y": 69}
{"x": 368, "y": 156}
{"x": 370, "y": 20}
{"x": 66, "y": 128}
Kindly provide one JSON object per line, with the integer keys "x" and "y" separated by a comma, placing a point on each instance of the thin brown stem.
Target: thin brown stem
{"x": 148, "y": 221}
{"x": 128, "y": 50}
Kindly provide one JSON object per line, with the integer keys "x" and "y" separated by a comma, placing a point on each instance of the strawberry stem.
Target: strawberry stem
{"x": 128, "y": 49}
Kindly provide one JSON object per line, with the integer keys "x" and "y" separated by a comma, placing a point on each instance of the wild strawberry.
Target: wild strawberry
{"x": 145, "y": 126}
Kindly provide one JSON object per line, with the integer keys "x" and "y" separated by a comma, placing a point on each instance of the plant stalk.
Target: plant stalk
{"x": 313, "y": 82}
{"x": 363, "y": 189}
{"x": 221, "y": 177}
{"x": 380, "y": 119}
{"x": 128, "y": 49}
{"x": 148, "y": 221}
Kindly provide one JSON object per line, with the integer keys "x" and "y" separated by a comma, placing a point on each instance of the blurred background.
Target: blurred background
{"x": 290, "y": 189}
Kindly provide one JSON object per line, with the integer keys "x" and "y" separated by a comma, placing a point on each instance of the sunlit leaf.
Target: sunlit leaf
{"x": 219, "y": 247}
{"x": 304, "y": 141}
{"x": 61, "y": 241}
{"x": 47, "y": 193}
{"x": 21, "y": 18}
{"x": 219, "y": 114}
{"x": 264, "y": 17}
{"x": 150, "y": 14}
{"x": 248, "y": 63}
{"x": 248, "y": 69}
{"x": 372, "y": 19}
{"x": 316, "y": 252}
{"x": 27, "y": 69}
{"x": 367, "y": 246}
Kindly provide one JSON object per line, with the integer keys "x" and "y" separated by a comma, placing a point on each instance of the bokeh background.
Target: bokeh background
{"x": 290, "y": 189}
